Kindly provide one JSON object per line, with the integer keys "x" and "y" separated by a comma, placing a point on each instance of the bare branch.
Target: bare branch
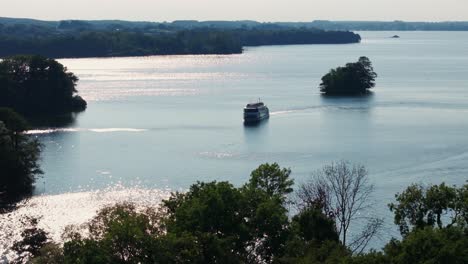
{"x": 371, "y": 229}
{"x": 341, "y": 191}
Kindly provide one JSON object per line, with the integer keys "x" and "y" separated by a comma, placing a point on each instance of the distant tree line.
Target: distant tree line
{"x": 141, "y": 42}
{"x": 257, "y": 37}
{"x": 108, "y": 44}
{"x": 396, "y": 25}
{"x": 54, "y": 27}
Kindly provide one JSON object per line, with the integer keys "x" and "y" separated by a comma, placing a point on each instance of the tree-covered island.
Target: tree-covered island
{"x": 353, "y": 79}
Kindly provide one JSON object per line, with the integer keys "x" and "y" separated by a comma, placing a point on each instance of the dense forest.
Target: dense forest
{"x": 116, "y": 43}
{"x": 105, "y": 39}
{"x": 35, "y": 85}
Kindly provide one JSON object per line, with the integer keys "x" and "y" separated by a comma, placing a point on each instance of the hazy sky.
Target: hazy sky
{"x": 261, "y": 10}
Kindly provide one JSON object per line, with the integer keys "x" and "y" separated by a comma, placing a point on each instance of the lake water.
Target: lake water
{"x": 162, "y": 123}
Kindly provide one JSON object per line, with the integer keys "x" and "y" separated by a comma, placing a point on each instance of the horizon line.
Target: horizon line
{"x": 239, "y": 20}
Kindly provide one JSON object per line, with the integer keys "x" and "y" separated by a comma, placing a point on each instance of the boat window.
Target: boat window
{"x": 250, "y": 110}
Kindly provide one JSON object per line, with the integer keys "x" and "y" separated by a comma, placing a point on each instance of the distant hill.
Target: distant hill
{"x": 27, "y": 21}
{"x": 192, "y": 24}
{"x": 388, "y": 26}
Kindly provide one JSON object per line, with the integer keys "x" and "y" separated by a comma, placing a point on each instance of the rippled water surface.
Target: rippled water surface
{"x": 162, "y": 123}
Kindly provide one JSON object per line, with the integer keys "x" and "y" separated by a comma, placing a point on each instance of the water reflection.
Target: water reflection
{"x": 360, "y": 102}
{"x": 58, "y": 146}
{"x": 255, "y": 124}
{"x": 255, "y": 133}
{"x": 54, "y": 121}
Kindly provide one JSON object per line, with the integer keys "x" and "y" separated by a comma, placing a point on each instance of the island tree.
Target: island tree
{"x": 353, "y": 79}
{"x": 38, "y": 85}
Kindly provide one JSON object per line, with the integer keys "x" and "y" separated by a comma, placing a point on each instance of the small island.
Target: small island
{"x": 35, "y": 85}
{"x": 353, "y": 79}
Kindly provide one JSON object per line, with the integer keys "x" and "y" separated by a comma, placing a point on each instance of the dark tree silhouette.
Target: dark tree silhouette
{"x": 35, "y": 85}
{"x": 19, "y": 155}
{"x": 353, "y": 79}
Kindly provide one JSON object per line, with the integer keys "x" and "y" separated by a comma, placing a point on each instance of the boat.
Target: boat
{"x": 255, "y": 112}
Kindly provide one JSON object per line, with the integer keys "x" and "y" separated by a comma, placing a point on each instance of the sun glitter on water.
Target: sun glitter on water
{"x": 59, "y": 211}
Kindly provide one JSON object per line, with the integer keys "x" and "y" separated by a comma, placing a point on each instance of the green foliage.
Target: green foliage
{"x": 207, "y": 207}
{"x": 418, "y": 207}
{"x": 12, "y": 120}
{"x": 420, "y": 213}
{"x": 218, "y": 223}
{"x": 272, "y": 180}
{"x": 19, "y": 156}
{"x": 353, "y": 79}
{"x": 50, "y": 253}
{"x": 265, "y": 194}
{"x": 312, "y": 225}
{"x": 213, "y": 212}
{"x": 315, "y": 252}
{"x": 430, "y": 245}
{"x": 313, "y": 239}
{"x": 37, "y": 85}
{"x": 245, "y": 223}
{"x": 372, "y": 257}
{"x": 121, "y": 234}
{"x": 211, "y": 223}
{"x": 268, "y": 222}
{"x": 33, "y": 240}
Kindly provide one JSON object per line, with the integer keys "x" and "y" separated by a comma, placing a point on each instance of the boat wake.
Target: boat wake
{"x": 70, "y": 130}
{"x": 322, "y": 107}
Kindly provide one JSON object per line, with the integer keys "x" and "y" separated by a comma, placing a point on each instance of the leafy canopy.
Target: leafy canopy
{"x": 438, "y": 205}
{"x": 212, "y": 222}
{"x": 353, "y": 79}
{"x": 38, "y": 85}
{"x": 217, "y": 222}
